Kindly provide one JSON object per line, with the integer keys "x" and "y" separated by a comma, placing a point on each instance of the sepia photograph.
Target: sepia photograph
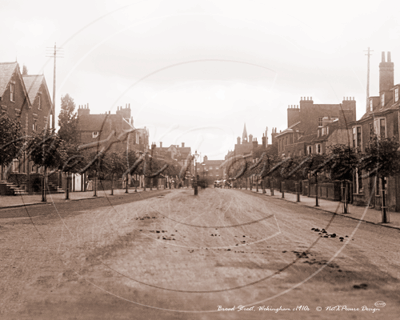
{"x": 200, "y": 160}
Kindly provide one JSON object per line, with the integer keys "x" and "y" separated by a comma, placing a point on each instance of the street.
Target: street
{"x": 224, "y": 254}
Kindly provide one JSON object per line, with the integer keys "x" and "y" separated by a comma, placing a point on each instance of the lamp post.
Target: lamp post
{"x": 195, "y": 156}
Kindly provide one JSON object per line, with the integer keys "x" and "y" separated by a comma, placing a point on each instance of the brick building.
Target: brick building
{"x": 210, "y": 169}
{"x": 381, "y": 118}
{"x": 313, "y": 127}
{"x": 117, "y": 130}
{"x": 25, "y": 98}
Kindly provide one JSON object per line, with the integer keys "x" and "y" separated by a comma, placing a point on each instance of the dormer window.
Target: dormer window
{"x": 320, "y": 122}
{"x": 396, "y": 94}
{"x": 323, "y": 131}
{"x": 327, "y": 130}
{"x": 382, "y": 100}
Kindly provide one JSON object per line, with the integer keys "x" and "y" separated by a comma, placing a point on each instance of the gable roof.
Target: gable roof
{"x": 99, "y": 122}
{"x": 6, "y": 71}
{"x": 32, "y": 84}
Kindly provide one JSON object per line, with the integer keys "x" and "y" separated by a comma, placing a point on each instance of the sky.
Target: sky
{"x": 196, "y": 71}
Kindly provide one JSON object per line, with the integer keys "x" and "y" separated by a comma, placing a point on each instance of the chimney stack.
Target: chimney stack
{"x": 386, "y": 74}
{"x": 264, "y": 141}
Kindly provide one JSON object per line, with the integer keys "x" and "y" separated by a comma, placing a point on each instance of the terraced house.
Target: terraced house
{"x": 381, "y": 118}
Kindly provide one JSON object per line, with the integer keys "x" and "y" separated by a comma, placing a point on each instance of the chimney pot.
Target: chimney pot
{"x": 383, "y": 56}
{"x": 388, "y": 57}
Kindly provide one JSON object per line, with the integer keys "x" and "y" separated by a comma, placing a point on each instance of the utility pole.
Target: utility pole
{"x": 54, "y": 53}
{"x": 368, "y": 54}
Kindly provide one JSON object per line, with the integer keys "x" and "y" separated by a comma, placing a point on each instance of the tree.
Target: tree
{"x": 93, "y": 164}
{"x": 46, "y": 149}
{"x": 381, "y": 160}
{"x": 68, "y": 120}
{"x": 74, "y": 162}
{"x": 115, "y": 165}
{"x": 10, "y": 139}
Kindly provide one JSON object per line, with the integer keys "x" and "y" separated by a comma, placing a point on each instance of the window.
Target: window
{"x": 34, "y": 125}
{"x": 371, "y": 105}
{"x": 309, "y": 149}
{"x": 382, "y": 100}
{"x": 318, "y": 148}
{"x": 357, "y": 138}
{"x": 371, "y": 130}
{"x": 12, "y": 88}
{"x": 380, "y": 127}
{"x": 320, "y": 122}
{"x": 95, "y": 134}
{"x": 396, "y": 94}
{"x": 327, "y": 130}
{"x": 39, "y": 101}
{"x": 15, "y": 165}
{"x": 323, "y": 131}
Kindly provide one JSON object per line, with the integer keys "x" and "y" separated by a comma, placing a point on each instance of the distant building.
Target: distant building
{"x": 310, "y": 125}
{"x": 210, "y": 169}
{"x": 174, "y": 152}
{"x": 247, "y": 146}
{"x": 97, "y": 130}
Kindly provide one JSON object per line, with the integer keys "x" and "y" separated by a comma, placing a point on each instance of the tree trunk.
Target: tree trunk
{"x": 316, "y": 190}
{"x": 95, "y": 184}
{"x": 67, "y": 189}
{"x": 136, "y": 182}
{"x": 272, "y": 186}
{"x": 44, "y": 185}
{"x": 112, "y": 184}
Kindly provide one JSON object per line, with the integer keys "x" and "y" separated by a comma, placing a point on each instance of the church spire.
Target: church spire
{"x": 244, "y": 135}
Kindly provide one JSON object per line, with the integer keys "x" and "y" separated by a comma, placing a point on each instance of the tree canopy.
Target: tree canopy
{"x": 68, "y": 120}
{"x": 11, "y": 140}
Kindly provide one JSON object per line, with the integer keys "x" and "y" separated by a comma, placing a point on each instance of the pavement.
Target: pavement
{"x": 366, "y": 214}
{"x": 29, "y": 200}
{"x": 360, "y": 213}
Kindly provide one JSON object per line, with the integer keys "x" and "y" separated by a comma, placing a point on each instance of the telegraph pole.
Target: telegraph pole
{"x": 368, "y": 54}
{"x": 54, "y": 53}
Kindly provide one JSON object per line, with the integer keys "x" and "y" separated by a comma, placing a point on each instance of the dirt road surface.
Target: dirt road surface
{"x": 177, "y": 256}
